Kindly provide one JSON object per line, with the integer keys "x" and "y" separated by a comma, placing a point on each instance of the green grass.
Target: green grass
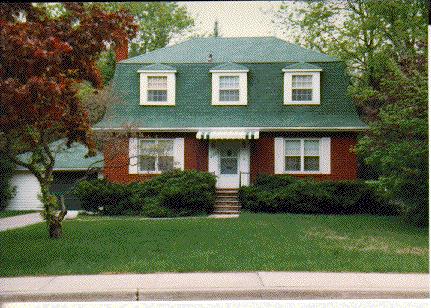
{"x": 11, "y": 213}
{"x": 277, "y": 242}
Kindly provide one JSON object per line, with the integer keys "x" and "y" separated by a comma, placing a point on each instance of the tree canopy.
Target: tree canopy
{"x": 384, "y": 46}
{"x": 44, "y": 54}
{"x": 367, "y": 35}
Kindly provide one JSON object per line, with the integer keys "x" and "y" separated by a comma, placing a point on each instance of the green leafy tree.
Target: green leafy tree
{"x": 384, "y": 46}
{"x": 158, "y": 23}
{"x": 366, "y": 34}
{"x": 106, "y": 65}
{"x": 43, "y": 57}
{"x": 397, "y": 143}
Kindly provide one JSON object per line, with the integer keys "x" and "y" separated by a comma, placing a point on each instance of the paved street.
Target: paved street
{"x": 215, "y": 286}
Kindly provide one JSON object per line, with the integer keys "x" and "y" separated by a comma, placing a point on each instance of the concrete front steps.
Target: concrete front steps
{"x": 227, "y": 202}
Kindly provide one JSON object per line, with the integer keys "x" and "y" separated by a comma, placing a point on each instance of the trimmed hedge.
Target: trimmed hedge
{"x": 286, "y": 194}
{"x": 174, "y": 193}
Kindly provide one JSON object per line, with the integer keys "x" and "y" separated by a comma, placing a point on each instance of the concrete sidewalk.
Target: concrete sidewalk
{"x": 215, "y": 286}
{"x": 19, "y": 221}
{"x": 24, "y": 220}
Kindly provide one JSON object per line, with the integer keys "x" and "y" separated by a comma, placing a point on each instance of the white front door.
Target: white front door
{"x": 230, "y": 162}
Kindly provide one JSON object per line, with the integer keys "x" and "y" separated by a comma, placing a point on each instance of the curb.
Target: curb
{"x": 214, "y": 294}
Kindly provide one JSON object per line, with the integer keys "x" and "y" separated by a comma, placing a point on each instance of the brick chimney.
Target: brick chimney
{"x": 122, "y": 50}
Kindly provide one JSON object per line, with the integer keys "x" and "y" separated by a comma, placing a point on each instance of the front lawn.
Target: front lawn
{"x": 264, "y": 242}
{"x": 11, "y": 213}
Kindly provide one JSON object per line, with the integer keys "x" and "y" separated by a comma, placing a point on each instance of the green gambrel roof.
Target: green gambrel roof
{"x": 302, "y": 66}
{"x": 157, "y": 67}
{"x": 230, "y": 67}
{"x": 232, "y": 49}
{"x": 265, "y": 107}
{"x": 72, "y": 158}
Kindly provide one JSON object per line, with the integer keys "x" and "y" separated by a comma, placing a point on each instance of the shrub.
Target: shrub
{"x": 308, "y": 196}
{"x": 7, "y": 192}
{"x": 106, "y": 198}
{"x": 152, "y": 208}
{"x": 175, "y": 193}
{"x": 187, "y": 192}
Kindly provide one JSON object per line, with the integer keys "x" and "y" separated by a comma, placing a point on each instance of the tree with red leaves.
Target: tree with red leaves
{"x": 42, "y": 60}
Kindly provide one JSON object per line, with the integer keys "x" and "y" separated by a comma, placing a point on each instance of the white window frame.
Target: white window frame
{"x": 288, "y": 76}
{"x": 170, "y": 76}
{"x": 156, "y": 171}
{"x": 324, "y": 154}
{"x": 302, "y": 156}
{"x": 134, "y": 153}
{"x": 216, "y": 87}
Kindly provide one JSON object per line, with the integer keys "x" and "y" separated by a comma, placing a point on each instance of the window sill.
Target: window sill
{"x": 301, "y": 103}
{"x": 303, "y": 172}
{"x": 149, "y": 172}
{"x": 229, "y": 103}
{"x": 158, "y": 104}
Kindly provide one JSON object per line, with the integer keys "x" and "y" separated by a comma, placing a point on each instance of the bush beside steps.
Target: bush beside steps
{"x": 171, "y": 194}
{"x": 287, "y": 194}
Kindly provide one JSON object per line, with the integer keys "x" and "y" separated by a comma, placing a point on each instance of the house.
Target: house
{"x": 236, "y": 107}
{"x": 70, "y": 167}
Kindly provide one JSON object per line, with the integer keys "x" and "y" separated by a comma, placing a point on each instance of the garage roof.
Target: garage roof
{"x": 72, "y": 158}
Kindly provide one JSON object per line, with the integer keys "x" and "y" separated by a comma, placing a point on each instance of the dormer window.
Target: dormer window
{"x": 229, "y": 84}
{"x": 229, "y": 89}
{"x": 301, "y": 84}
{"x": 157, "y": 89}
{"x": 157, "y": 85}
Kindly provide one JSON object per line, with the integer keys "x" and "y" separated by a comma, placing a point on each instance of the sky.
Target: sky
{"x": 235, "y": 18}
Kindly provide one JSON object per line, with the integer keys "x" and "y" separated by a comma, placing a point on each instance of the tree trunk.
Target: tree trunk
{"x": 55, "y": 228}
{"x": 52, "y": 212}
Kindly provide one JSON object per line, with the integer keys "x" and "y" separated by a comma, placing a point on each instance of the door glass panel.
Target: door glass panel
{"x": 228, "y": 160}
{"x": 228, "y": 165}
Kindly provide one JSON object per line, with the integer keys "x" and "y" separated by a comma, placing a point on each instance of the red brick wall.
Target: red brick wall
{"x": 343, "y": 161}
{"x": 116, "y": 154}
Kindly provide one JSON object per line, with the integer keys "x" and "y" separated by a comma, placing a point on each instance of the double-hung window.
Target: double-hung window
{"x": 157, "y": 90}
{"x": 155, "y": 155}
{"x": 302, "y": 155}
{"x": 229, "y": 85}
{"x": 157, "y": 85}
{"x": 301, "y": 86}
{"x": 229, "y": 89}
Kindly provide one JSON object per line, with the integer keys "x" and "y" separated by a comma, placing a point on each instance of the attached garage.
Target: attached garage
{"x": 70, "y": 167}
{"x": 27, "y": 189}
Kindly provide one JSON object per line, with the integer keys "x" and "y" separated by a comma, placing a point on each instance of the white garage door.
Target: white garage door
{"x": 27, "y": 189}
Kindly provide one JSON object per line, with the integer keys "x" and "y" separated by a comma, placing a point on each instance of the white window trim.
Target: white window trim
{"x": 302, "y": 159}
{"x": 242, "y": 88}
{"x": 178, "y": 154}
{"x": 324, "y": 154}
{"x": 170, "y": 75}
{"x": 288, "y": 87}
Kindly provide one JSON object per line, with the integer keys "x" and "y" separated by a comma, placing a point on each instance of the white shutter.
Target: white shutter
{"x": 325, "y": 156}
{"x": 133, "y": 155}
{"x": 179, "y": 153}
{"x": 278, "y": 155}
{"x": 287, "y": 88}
